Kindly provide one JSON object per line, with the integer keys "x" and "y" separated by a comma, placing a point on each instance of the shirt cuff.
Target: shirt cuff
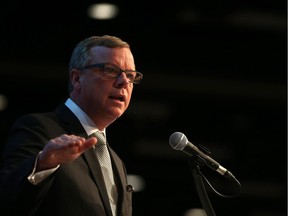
{"x": 36, "y": 178}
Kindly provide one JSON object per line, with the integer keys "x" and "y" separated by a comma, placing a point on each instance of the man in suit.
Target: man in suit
{"x": 49, "y": 165}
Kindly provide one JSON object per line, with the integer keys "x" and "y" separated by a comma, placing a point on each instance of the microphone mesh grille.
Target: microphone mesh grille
{"x": 178, "y": 140}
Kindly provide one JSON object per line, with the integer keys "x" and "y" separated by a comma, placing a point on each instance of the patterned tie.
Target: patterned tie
{"x": 106, "y": 167}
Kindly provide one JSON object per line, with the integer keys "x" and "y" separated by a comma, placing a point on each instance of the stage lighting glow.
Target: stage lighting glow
{"x": 137, "y": 182}
{"x": 103, "y": 11}
{"x": 3, "y": 102}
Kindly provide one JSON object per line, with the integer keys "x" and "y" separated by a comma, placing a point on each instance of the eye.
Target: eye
{"x": 130, "y": 75}
{"x": 111, "y": 71}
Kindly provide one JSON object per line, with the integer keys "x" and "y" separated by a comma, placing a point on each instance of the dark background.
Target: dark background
{"x": 213, "y": 70}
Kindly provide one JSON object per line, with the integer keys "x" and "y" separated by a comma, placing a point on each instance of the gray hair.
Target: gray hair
{"x": 81, "y": 56}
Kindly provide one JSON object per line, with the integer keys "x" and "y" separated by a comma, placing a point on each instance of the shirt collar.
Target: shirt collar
{"x": 84, "y": 119}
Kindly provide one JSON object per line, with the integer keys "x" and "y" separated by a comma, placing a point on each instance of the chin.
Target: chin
{"x": 116, "y": 113}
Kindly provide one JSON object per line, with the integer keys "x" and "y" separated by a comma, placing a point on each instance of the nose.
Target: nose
{"x": 122, "y": 80}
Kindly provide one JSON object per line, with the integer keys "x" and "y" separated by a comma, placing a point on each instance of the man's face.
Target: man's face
{"x": 102, "y": 97}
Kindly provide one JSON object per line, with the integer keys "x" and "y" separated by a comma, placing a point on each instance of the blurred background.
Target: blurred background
{"x": 213, "y": 70}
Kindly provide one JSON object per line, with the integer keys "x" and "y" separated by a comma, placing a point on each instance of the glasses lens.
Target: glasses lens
{"x": 112, "y": 71}
{"x": 138, "y": 77}
{"x": 131, "y": 75}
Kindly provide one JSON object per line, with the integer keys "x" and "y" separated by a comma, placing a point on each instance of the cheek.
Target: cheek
{"x": 90, "y": 89}
{"x": 129, "y": 97}
{"x": 90, "y": 83}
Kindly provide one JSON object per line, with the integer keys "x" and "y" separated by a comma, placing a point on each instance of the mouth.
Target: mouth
{"x": 118, "y": 98}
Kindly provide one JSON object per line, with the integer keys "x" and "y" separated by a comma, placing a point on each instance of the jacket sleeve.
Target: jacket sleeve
{"x": 26, "y": 139}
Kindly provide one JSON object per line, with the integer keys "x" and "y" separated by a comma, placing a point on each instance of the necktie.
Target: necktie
{"x": 106, "y": 168}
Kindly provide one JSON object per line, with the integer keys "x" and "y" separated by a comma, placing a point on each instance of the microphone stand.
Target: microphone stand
{"x": 201, "y": 189}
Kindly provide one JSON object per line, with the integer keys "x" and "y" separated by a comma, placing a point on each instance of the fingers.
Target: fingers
{"x": 90, "y": 142}
{"x": 65, "y": 148}
{"x": 87, "y": 143}
{"x": 75, "y": 144}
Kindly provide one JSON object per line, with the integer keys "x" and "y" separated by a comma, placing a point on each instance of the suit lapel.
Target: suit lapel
{"x": 118, "y": 167}
{"x": 73, "y": 126}
{"x": 121, "y": 179}
{"x": 95, "y": 168}
{"x": 69, "y": 121}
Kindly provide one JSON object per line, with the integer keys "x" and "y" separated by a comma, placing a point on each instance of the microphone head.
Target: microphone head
{"x": 178, "y": 140}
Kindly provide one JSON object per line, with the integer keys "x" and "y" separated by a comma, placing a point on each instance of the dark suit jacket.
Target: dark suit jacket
{"x": 76, "y": 188}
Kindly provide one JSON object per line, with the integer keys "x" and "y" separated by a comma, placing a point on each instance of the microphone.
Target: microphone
{"x": 179, "y": 141}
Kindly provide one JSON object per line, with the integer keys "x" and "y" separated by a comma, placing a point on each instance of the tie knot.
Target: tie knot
{"x": 100, "y": 137}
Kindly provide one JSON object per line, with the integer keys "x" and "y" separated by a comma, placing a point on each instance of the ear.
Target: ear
{"x": 75, "y": 78}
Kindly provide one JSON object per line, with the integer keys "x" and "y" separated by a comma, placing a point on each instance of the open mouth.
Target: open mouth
{"x": 119, "y": 98}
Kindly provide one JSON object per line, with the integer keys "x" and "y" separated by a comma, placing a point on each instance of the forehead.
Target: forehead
{"x": 101, "y": 53}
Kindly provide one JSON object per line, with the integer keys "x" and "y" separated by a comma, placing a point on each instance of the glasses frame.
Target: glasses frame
{"x": 102, "y": 66}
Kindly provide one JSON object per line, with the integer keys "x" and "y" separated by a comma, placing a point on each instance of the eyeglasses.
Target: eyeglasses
{"x": 114, "y": 71}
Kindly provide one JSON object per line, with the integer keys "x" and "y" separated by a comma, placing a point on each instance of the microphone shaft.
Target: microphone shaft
{"x": 191, "y": 149}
